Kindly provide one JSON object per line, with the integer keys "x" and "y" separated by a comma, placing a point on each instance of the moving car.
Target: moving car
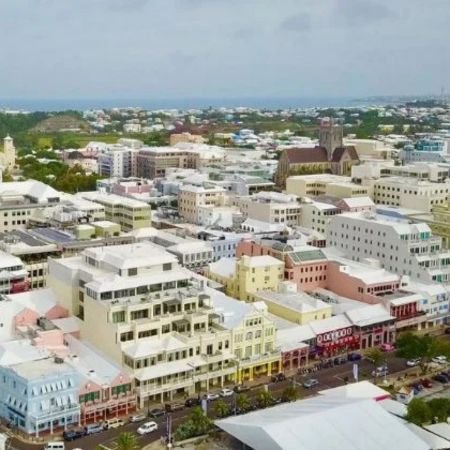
{"x": 93, "y": 428}
{"x": 413, "y": 362}
{"x": 340, "y": 360}
{"x": 147, "y": 427}
{"x": 226, "y": 393}
{"x": 71, "y": 435}
{"x": 278, "y": 377}
{"x": 172, "y": 407}
{"x": 210, "y": 396}
{"x": 310, "y": 383}
{"x": 241, "y": 388}
{"x": 56, "y": 445}
{"x": 157, "y": 412}
{"x": 440, "y": 359}
{"x": 113, "y": 423}
{"x": 192, "y": 402}
{"x": 137, "y": 418}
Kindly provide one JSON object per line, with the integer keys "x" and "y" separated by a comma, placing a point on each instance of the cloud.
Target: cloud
{"x": 297, "y": 23}
{"x": 243, "y": 33}
{"x": 361, "y": 12}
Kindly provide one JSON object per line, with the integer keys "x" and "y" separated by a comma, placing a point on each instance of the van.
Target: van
{"x": 55, "y": 446}
{"x": 113, "y": 423}
{"x": 93, "y": 428}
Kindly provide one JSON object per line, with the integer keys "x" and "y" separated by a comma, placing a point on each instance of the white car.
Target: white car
{"x": 440, "y": 359}
{"x": 226, "y": 393}
{"x": 137, "y": 418}
{"x": 413, "y": 362}
{"x": 212, "y": 396}
{"x": 381, "y": 371}
{"x": 148, "y": 427}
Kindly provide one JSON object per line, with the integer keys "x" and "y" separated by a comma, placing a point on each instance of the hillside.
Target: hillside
{"x": 60, "y": 123}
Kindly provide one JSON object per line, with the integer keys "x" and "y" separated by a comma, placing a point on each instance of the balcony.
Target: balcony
{"x": 411, "y": 320}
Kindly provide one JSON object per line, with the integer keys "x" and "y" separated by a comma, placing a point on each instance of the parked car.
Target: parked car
{"x": 156, "y": 413}
{"x": 147, "y": 427}
{"x": 354, "y": 356}
{"x": 339, "y": 360}
{"x": 447, "y": 330}
{"x": 113, "y": 423}
{"x": 192, "y": 402}
{"x": 387, "y": 348}
{"x": 137, "y": 418}
{"x": 278, "y": 377}
{"x": 426, "y": 383}
{"x": 441, "y": 378}
{"x": 226, "y": 392}
{"x": 440, "y": 359}
{"x": 445, "y": 374}
{"x": 211, "y": 396}
{"x": 241, "y": 388}
{"x": 413, "y": 362}
{"x": 380, "y": 371}
{"x": 93, "y": 428}
{"x": 71, "y": 435}
{"x": 310, "y": 383}
{"x": 172, "y": 407}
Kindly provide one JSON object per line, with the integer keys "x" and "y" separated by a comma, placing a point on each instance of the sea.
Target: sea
{"x": 186, "y": 103}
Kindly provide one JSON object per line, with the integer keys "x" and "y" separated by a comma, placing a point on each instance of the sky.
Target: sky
{"x": 171, "y": 49}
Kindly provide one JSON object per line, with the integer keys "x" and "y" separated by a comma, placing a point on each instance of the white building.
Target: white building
{"x": 410, "y": 193}
{"x": 271, "y": 207}
{"x": 401, "y": 247}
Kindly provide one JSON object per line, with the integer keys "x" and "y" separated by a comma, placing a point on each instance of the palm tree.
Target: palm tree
{"x": 242, "y": 402}
{"x": 221, "y": 408}
{"x": 127, "y": 441}
{"x": 264, "y": 398}
{"x": 290, "y": 394}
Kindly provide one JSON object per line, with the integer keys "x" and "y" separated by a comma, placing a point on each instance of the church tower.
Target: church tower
{"x": 331, "y": 135}
{"x": 9, "y": 153}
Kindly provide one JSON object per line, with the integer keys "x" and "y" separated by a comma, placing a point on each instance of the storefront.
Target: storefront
{"x": 337, "y": 341}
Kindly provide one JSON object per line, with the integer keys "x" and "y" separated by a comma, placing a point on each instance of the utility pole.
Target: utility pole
{"x": 169, "y": 430}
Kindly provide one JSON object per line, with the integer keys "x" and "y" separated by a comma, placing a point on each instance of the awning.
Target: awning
{"x": 181, "y": 322}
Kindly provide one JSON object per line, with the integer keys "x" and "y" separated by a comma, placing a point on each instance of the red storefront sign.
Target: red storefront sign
{"x": 336, "y": 336}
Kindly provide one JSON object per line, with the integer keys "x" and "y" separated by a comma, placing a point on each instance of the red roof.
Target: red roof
{"x": 307, "y": 155}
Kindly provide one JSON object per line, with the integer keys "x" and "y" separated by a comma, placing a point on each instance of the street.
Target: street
{"x": 328, "y": 378}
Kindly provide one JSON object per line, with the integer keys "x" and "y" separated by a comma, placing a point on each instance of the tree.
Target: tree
{"x": 419, "y": 412}
{"x": 375, "y": 355}
{"x": 127, "y": 441}
{"x": 290, "y": 394}
{"x": 413, "y": 346}
{"x": 198, "y": 423}
{"x": 221, "y": 408}
{"x": 242, "y": 402}
{"x": 264, "y": 398}
{"x": 440, "y": 408}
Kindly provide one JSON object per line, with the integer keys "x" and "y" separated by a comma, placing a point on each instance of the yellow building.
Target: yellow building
{"x": 294, "y": 306}
{"x": 175, "y": 138}
{"x": 172, "y": 334}
{"x": 325, "y": 184}
{"x": 245, "y": 277}
{"x": 129, "y": 213}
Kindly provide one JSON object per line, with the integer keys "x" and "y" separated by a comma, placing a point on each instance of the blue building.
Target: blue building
{"x": 39, "y": 395}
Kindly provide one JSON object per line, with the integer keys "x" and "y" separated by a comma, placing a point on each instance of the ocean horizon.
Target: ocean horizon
{"x": 183, "y": 104}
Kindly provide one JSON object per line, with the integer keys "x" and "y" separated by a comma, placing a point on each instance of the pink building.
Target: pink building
{"x": 305, "y": 265}
{"x": 361, "y": 283}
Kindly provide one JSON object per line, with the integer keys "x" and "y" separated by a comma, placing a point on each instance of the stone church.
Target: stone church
{"x": 330, "y": 156}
